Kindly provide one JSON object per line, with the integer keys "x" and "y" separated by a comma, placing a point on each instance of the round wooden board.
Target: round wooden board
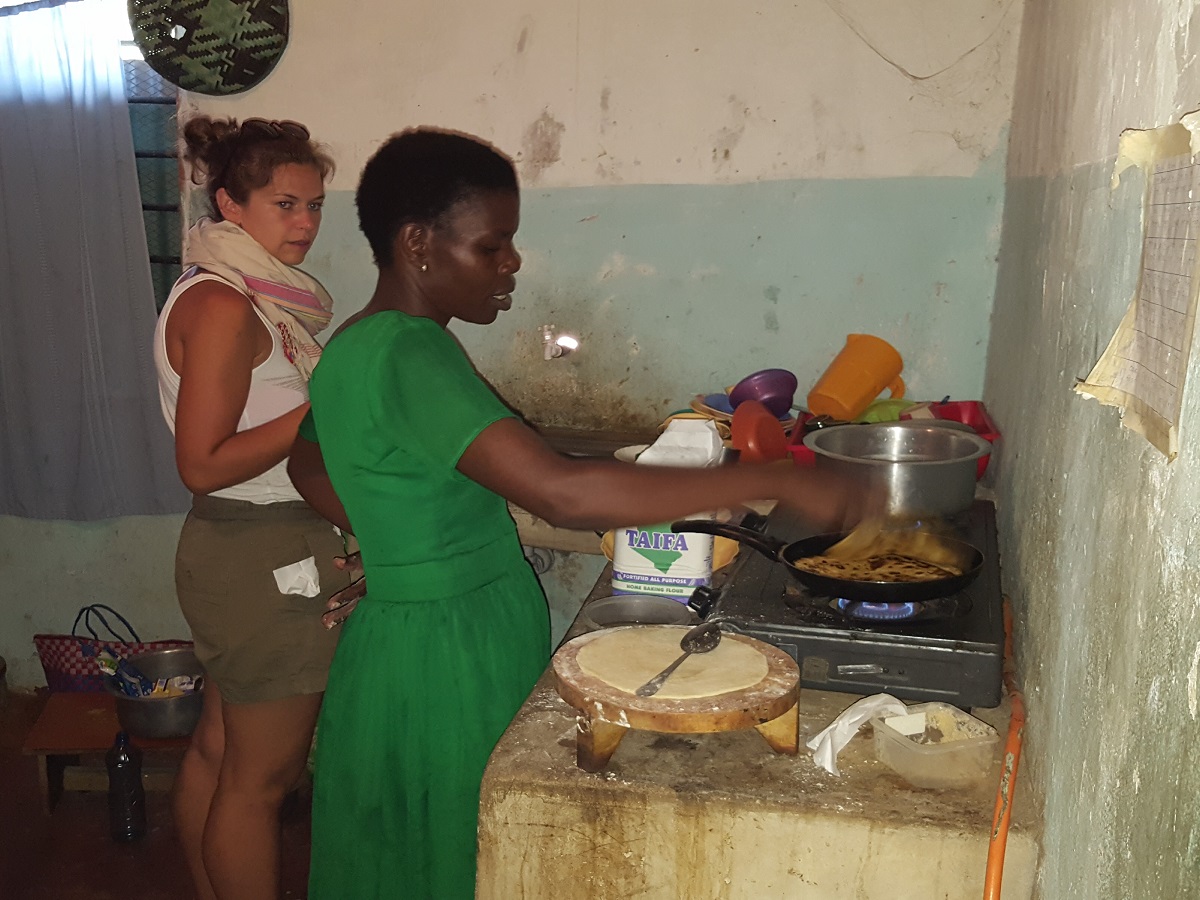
{"x": 749, "y": 707}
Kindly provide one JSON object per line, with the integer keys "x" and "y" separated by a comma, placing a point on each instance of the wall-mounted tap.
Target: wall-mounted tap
{"x": 556, "y": 344}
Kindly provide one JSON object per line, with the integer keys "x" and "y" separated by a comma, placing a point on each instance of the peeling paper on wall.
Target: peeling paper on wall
{"x": 1142, "y": 371}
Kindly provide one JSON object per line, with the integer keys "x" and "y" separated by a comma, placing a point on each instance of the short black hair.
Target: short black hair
{"x": 418, "y": 175}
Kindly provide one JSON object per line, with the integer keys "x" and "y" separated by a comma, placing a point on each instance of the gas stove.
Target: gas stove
{"x": 950, "y": 649}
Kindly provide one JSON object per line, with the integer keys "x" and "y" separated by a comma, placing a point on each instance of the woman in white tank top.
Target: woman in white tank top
{"x": 234, "y": 348}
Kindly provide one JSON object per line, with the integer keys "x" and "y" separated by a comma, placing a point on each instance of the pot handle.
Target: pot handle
{"x": 763, "y": 543}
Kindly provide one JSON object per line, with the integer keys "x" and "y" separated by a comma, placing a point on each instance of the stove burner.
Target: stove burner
{"x": 946, "y": 648}
{"x": 832, "y": 610}
{"x": 877, "y": 612}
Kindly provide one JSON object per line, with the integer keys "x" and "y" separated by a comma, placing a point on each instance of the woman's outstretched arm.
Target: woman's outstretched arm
{"x": 514, "y": 461}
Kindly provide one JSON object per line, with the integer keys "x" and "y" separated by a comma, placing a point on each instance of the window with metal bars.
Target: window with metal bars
{"x": 152, "y": 107}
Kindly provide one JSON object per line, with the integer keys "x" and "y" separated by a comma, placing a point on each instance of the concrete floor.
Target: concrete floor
{"x": 68, "y": 854}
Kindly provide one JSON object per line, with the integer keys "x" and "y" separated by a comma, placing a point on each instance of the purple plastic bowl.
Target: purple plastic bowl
{"x": 773, "y": 388}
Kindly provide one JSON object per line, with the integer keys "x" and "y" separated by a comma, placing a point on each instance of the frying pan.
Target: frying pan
{"x": 969, "y": 559}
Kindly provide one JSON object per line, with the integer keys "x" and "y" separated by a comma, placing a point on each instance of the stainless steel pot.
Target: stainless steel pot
{"x": 924, "y": 471}
{"x": 161, "y": 717}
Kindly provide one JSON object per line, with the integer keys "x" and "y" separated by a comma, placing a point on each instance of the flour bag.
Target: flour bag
{"x": 653, "y": 559}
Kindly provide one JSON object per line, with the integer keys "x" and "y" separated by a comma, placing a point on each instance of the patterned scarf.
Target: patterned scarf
{"x": 293, "y": 301}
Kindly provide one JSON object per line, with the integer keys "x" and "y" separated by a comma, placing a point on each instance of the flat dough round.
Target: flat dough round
{"x": 627, "y": 658}
{"x": 889, "y": 567}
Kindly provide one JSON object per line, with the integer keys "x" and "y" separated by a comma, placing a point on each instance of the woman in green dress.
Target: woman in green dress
{"x": 408, "y": 443}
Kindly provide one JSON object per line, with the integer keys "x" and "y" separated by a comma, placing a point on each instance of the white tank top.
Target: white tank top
{"x": 276, "y": 387}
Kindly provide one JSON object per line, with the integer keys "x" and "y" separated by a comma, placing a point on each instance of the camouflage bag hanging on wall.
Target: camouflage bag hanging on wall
{"x": 211, "y": 46}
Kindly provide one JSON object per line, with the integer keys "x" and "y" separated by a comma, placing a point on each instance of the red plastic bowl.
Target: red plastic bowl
{"x": 773, "y": 388}
{"x": 757, "y": 434}
{"x": 973, "y": 414}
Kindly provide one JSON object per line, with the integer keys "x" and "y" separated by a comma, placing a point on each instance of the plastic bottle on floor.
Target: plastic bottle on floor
{"x": 126, "y": 795}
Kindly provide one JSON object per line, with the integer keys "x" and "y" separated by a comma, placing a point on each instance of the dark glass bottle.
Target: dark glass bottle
{"x": 126, "y": 795}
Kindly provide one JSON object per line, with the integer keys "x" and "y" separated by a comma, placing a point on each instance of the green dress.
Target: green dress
{"x": 452, "y": 634}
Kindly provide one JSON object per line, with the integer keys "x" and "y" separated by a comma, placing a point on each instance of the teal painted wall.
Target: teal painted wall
{"x": 679, "y": 290}
{"x": 48, "y": 570}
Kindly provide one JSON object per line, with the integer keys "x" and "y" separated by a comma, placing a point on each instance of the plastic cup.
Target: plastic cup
{"x": 860, "y": 372}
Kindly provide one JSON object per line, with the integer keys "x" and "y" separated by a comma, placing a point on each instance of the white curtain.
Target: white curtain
{"x": 82, "y": 434}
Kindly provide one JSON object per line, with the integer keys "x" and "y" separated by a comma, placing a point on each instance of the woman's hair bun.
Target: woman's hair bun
{"x": 224, "y": 153}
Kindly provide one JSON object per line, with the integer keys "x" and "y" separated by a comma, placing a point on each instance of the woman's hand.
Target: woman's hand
{"x": 342, "y": 603}
{"x": 831, "y": 502}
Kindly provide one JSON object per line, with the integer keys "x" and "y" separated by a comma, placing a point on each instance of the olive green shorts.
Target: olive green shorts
{"x": 256, "y": 642}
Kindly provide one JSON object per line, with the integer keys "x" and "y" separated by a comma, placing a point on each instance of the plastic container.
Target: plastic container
{"x": 806, "y": 422}
{"x": 773, "y": 388}
{"x": 126, "y": 795}
{"x": 863, "y": 368}
{"x": 725, "y": 550}
{"x": 757, "y": 434}
{"x": 969, "y": 412}
{"x": 885, "y": 410}
{"x": 653, "y": 559}
{"x": 936, "y": 745}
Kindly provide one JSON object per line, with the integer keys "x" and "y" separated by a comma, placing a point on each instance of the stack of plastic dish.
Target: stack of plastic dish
{"x": 773, "y": 388}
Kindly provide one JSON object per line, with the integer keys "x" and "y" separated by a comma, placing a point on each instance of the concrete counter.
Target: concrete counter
{"x": 722, "y": 816}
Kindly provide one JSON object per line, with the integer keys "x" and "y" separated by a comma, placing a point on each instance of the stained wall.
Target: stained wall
{"x": 1098, "y": 528}
{"x": 708, "y": 189}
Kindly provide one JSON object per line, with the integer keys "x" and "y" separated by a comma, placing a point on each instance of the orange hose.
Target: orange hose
{"x": 1008, "y": 777}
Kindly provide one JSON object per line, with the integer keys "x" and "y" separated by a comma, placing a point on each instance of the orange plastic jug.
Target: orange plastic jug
{"x": 865, "y": 367}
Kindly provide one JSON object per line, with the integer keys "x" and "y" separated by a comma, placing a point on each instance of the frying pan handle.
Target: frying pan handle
{"x": 702, "y": 600}
{"x": 763, "y": 543}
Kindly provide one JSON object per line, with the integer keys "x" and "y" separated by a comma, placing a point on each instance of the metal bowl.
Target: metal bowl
{"x": 638, "y": 609}
{"x": 925, "y": 471}
{"x": 161, "y": 717}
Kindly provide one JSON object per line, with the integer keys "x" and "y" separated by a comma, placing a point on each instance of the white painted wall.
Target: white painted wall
{"x": 669, "y": 92}
{"x": 1098, "y": 529}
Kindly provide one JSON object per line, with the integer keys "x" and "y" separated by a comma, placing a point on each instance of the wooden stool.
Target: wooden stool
{"x": 72, "y": 735}
{"x": 606, "y": 713}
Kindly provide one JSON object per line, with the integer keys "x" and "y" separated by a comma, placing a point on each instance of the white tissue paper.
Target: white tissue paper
{"x": 685, "y": 442}
{"x": 299, "y": 578}
{"x": 826, "y": 745}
